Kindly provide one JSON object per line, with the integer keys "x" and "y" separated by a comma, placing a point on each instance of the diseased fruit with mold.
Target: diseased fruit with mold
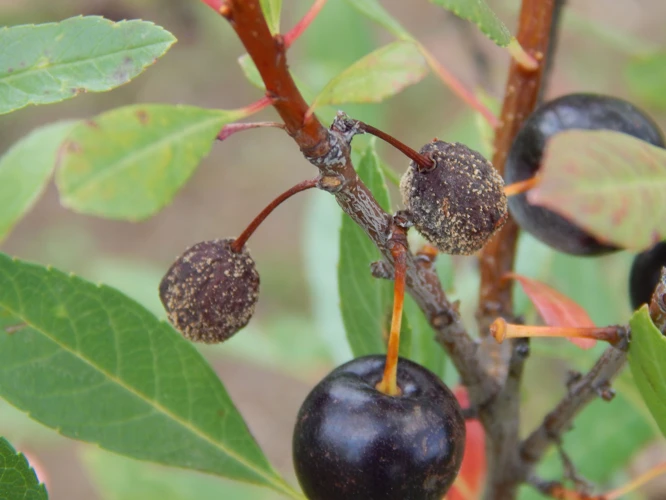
{"x": 645, "y": 273}
{"x": 210, "y": 291}
{"x": 353, "y": 442}
{"x": 457, "y": 205}
{"x": 569, "y": 112}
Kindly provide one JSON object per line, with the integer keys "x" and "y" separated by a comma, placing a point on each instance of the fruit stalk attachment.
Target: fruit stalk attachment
{"x": 521, "y": 187}
{"x": 424, "y": 162}
{"x": 389, "y": 384}
{"x": 239, "y": 243}
{"x": 501, "y": 330}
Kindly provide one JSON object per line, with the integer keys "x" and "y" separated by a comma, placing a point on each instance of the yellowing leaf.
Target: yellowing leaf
{"x": 129, "y": 162}
{"x": 608, "y": 183}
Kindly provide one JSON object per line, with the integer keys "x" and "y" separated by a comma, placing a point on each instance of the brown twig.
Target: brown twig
{"x": 557, "y": 490}
{"x": 329, "y": 151}
{"x": 501, "y": 416}
{"x": 579, "y": 395}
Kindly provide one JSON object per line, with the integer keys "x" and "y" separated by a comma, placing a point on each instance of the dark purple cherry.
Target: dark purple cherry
{"x": 573, "y": 111}
{"x": 644, "y": 274}
{"x": 353, "y": 442}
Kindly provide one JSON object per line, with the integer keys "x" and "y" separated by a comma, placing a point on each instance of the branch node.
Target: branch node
{"x": 381, "y": 270}
{"x": 346, "y": 126}
{"x": 331, "y": 183}
{"x": 403, "y": 219}
{"x": 522, "y": 348}
{"x": 225, "y": 11}
{"x": 573, "y": 377}
{"x": 605, "y": 391}
{"x": 330, "y": 154}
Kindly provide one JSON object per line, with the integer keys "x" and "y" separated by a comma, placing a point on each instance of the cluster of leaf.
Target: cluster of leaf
{"x": 97, "y": 366}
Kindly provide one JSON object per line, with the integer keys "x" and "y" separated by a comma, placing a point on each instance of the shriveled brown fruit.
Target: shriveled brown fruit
{"x": 210, "y": 291}
{"x": 459, "y": 203}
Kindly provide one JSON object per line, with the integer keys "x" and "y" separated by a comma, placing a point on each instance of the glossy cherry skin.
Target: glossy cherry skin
{"x": 644, "y": 274}
{"x": 352, "y": 442}
{"x": 573, "y": 111}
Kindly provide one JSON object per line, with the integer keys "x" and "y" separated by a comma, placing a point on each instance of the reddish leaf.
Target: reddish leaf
{"x": 555, "y": 308}
{"x": 469, "y": 482}
{"x": 608, "y": 183}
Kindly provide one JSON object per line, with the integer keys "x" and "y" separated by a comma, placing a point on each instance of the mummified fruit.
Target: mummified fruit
{"x": 459, "y": 203}
{"x": 210, "y": 291}
{"x": 353, "y": 442}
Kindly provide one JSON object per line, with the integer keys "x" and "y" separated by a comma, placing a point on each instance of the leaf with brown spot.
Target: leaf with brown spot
{"x": 555, "y": 308}
{"x": 136, "y": 158}
{"x": 47, "y": 63}
{"x": 608, "y": 183}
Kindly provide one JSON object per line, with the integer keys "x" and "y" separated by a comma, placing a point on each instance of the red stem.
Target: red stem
{"x": 422, "y": 161}
{"x": 239, "y": 242}
{"x": 268, "y": 54}
{"x": 294, "y": 33}
{"x": 232, "y": 128}
{"x": 219, "y": 6}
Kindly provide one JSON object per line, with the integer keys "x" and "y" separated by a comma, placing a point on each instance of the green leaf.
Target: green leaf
{"x": 272, "y": 10}
{"x": 379, "y": 75}
{"x": 25, "y": 169}
{"x": 424, "y": 349}
{"x": 365, "y": 301}
{"x": 647, "y": 353}
{"x": 120, "y": 478}
{"x": 374, "y": 10}
{"x": 18, "y": 480}
{"x": 46, "y": 63}
{"x": 608, "y": 183}
{"x": 645, "y": 76}
{"x": 321, "y": 243}
{"x": 129, "y": 162}
{"x": 478, "y": 12}
{"x": 98, "y": 367}
{"x": 250, "y": 71}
